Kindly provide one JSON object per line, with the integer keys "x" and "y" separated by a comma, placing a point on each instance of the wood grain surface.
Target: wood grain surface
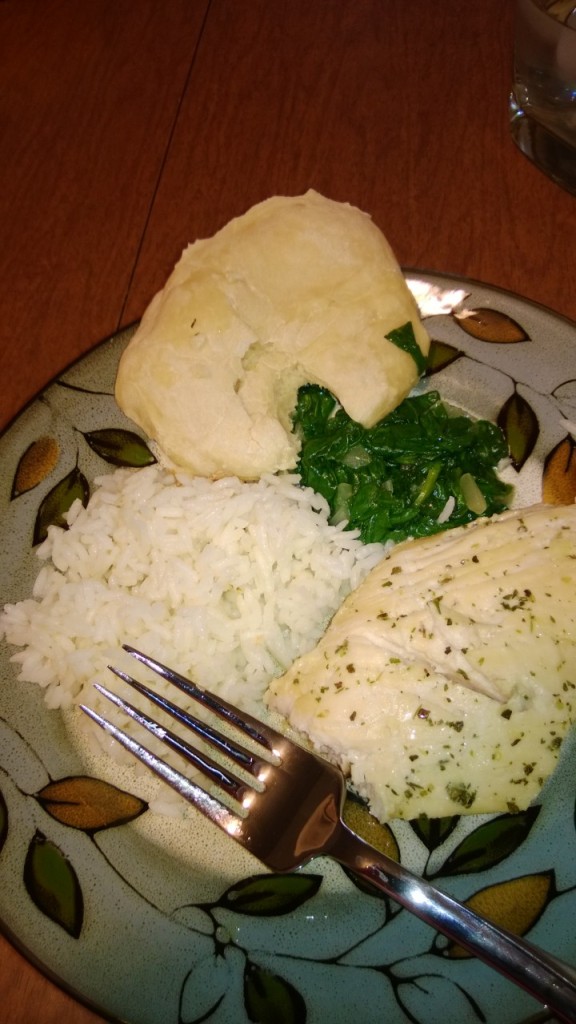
{"x": 131, "y": 127}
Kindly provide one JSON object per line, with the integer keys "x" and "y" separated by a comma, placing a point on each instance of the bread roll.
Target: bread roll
{"x": 297, "y": 290}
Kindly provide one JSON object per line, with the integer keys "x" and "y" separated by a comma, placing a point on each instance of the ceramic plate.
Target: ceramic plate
{"x": 154, "y": 920}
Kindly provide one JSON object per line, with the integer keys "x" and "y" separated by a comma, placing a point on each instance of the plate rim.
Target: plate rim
{"x": 7, "y": 932}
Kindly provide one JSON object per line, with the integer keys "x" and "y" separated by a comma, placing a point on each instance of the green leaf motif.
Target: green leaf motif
{"x": 53, "y": 885}
{"x": 441, "y": 355}
{"x": 434, "y": 831}
{"x": 3, "y": 821}
{"x": 519, "y": 424}
{"x": 120, "y": 447}
{"x": 490, "y": 843}
{"x": 270, "y": 999}
{"x": 404, "y": 338}
{"x": 57, "y": 502}
{"x": 270, "y": 895}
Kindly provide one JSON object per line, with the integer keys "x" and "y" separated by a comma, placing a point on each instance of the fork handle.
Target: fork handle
{"x": 548, "y": 979}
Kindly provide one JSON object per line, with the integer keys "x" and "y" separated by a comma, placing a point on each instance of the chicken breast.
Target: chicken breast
{"x": 447, "y": 680}
{"x": 298, "y": 290}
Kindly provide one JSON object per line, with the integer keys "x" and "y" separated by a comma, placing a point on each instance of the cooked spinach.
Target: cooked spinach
{"x": 395, "y": 479}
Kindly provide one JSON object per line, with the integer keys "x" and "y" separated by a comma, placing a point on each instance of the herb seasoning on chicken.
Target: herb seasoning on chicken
{"x": 447, "y": 680}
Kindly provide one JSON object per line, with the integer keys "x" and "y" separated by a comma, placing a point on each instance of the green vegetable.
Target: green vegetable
{"x": 394, "y": 480}
{"x": 403, "y": 337}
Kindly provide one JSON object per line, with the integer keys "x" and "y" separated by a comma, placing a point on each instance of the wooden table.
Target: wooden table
{"x": 131, "y": 127}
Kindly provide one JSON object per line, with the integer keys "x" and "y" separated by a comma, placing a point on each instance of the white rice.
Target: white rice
{"x": 228, "y": 582}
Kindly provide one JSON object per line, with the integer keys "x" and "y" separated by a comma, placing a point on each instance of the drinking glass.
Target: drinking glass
{"x": 543, "y": 98}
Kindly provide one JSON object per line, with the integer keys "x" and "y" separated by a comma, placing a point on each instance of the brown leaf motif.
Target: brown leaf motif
{"x": 359, "y": 820}
{"x": 559, "y": 476}
{"x": 516, "y": 905}
{"x": 89, "y": 804}
{"x": 35, "y": 465}
{"x": 490, "y": 325}
{"x": 52, "y": 884}
{"x": 519, "y": 424}
{"x": 357, "y": 817}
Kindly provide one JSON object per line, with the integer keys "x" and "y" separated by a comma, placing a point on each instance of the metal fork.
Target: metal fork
{"x": 290, "y": 812}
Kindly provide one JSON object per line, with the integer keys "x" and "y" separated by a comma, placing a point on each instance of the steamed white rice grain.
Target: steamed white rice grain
{"x": 227, "y": 582}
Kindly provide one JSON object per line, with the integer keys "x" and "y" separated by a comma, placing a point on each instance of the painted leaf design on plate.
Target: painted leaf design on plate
{"x": 83, "y": 390}
{"x": 441, "y": 355}
{"x": 270, "y": 999}
{"x": 3, "y": 821}
{"x": 519, "y": 424}
{"x": 204, "y": 989}
{"x": 490, "y": 843}
{"x": 120, "y": 447}
{"x": 516, "y": 905}
{"x": 565, "y": 394}
{"x": 89, "y": 804}
{"x": 561, "y": 10}
{"x": 559, "y": 476}
{"x": 434, "y": 831}
{"x": 35, "y": 465}
{"x": 270, "y": 895}
{"x": 53, "y": 885}
{"x": 440, "y": 994}
{"x": 491, "y": 325}
{"x": 358, "y": 818}
{"x": 57, "y": 502}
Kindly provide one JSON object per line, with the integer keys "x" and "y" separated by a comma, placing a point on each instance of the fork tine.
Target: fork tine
{"x": 209, "y": 805}
{"x": 238, "y": 753}
{"x": 298, "y": 817}
{"x": 226, "y": 780}
{"x": 247, "y": 724}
